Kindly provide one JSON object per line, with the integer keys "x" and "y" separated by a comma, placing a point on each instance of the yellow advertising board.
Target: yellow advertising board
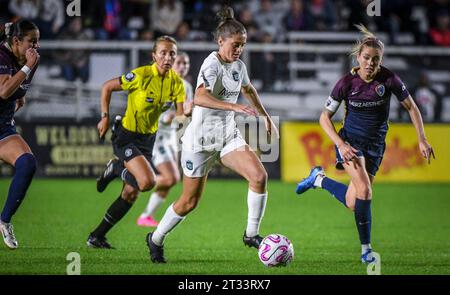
{"x": 304, "y": 145}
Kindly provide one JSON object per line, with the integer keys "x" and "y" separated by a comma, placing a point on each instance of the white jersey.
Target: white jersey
{"x": 209, "y": 128}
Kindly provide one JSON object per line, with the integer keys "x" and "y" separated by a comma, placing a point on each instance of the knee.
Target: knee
{"x": 259, "y": 179}
{"x": 130, "y": 195}
{"x": 26, "y": 164}
{"x": 146, "y": 183}
{"x": 364, "y": 191}
{"x": 184, "y": 207}
{"x": 172, "y": 180}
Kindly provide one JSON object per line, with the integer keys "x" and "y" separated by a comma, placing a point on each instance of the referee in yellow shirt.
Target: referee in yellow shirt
{"x": 152, "y": 89}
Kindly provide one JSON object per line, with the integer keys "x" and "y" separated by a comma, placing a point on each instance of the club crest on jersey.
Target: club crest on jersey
{"x": 130, "y": 76}
{"x": 235, "y": 76}
{"x": 380, "y": 89}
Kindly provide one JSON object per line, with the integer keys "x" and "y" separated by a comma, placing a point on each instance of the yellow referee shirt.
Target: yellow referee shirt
{"x": 149, "y": 94}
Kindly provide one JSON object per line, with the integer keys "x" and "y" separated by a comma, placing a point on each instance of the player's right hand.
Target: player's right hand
{"x": 347, "y": 151}
{"x": 245, "y": 109}
{"x": 102, "y": 127}
{"x": 32, "y": 57}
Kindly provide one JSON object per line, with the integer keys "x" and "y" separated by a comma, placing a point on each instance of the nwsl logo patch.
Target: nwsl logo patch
{"x": 380, "y": 90}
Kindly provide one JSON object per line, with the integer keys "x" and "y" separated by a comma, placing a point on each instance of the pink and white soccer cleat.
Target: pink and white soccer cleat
{"x": 148, "y": 221}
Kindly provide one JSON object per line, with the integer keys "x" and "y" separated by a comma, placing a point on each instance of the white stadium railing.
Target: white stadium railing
{"x": 301, "y": 96}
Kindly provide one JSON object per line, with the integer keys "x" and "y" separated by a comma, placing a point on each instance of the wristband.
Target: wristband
{"x": 26, "y": 70}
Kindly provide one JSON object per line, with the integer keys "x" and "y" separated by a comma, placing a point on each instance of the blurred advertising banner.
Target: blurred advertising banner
{"x": 304, "y": 145}
{"x": 66, "y": 149}
{"x": 72, "y": 149}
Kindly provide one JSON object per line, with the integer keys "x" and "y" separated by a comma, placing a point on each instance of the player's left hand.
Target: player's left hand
{"x": 426, "y": 150}
{"x": 19, "y": 103}
{"x": 271, "y": 127}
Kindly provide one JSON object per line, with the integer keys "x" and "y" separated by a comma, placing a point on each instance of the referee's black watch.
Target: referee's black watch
{"x": 105, "y": 115}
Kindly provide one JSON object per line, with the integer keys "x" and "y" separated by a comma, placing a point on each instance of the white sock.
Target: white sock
{"x": 318, "y": 180}
{"x": 167, "y": 223}
{"x": 256, "y": 205}
{"x": 365, "y": 247}
{"x": 153, "y": 204}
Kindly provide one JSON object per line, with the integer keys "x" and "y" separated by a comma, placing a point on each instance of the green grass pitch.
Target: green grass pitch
{"x": 411, "y": 231}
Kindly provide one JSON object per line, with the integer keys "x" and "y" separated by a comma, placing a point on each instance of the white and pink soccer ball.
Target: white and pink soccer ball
{"x": 276, "y": 250}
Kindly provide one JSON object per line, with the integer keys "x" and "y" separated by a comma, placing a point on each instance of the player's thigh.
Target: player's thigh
{"x": 140, "y": 168}
{"x": 13, "y": 147}
{"x": 356, "y": 169}
{"x": 246, "y": 163}
{"x": 169, "y": 170}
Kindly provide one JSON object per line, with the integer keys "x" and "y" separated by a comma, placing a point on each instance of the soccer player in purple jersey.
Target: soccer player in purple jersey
{"x": 360, "y": 144}
{"x": 18, "y": 62}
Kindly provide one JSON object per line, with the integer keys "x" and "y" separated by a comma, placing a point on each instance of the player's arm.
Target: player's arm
{"x": 252, "y": 96}
{"x": 416, "y": 118}
{"x": 188, "y": 107}
{"x": 347, "y": 151}
{"x": 9, "y": 84}
{"x": 105, "y": 100}
{"x": 204, "y": 98}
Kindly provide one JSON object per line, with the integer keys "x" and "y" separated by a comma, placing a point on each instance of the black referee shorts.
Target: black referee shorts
{"x": 128, "y": 145}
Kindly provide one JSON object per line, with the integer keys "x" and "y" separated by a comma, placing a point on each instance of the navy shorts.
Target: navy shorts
{"x": 371, "y": 151}
{"x": 128, "y": 145}
{"x": 7, "y": 130}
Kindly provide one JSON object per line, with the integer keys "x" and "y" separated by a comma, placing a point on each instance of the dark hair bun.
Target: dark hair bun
{"x": 226, "y": 13}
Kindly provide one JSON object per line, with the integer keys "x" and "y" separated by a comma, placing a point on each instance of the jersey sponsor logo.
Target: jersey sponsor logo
{"x": 128, "y": 152}
{"x": 235, "y": 76}
{"x": 189, "y": 165}
{"x": 226, "y": 93}
{"x": 366, "y": 104}
{"x": 380, "y": 90}
{"x": 130, "y": 76}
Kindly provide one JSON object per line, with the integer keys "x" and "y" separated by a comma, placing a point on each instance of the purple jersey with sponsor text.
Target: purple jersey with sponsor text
{"x": 367, "y": 103}
{"x": 9, "y": 66}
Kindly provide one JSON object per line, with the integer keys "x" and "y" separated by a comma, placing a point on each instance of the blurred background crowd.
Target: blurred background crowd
{"x": 302, "y": 78}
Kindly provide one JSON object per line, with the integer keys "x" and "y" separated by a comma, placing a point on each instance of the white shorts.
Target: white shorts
{"x": 164, "y": 149}
{"x": 199, "y": 163}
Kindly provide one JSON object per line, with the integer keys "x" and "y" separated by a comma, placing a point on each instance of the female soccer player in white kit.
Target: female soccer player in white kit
{"x": 212, "y": 135}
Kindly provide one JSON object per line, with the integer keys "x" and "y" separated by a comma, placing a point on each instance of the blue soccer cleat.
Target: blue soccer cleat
{"x": 308, "y": 182}
{"x": 368, "y": 257}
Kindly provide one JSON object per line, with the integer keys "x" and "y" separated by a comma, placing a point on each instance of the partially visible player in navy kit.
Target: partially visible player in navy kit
{"x": 18, "y": 62}
{"x": 360, "y": 144}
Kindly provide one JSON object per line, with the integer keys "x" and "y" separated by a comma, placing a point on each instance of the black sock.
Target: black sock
{"x": 129, "y": 178}
{"x": 115, "y": 212}
{"x": 363, "y": 218}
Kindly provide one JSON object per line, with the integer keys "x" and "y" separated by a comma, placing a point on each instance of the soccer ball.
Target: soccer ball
{"x": 276, "y": 250}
